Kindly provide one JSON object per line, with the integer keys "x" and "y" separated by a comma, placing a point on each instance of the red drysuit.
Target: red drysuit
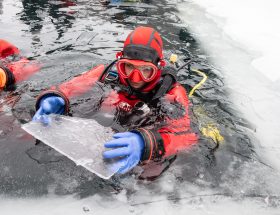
{"x": 173, "y": 135}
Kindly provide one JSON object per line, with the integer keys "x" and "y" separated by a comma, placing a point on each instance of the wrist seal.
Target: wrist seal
{"x": 154, "y": 149}
{"x": 53, "y": 93}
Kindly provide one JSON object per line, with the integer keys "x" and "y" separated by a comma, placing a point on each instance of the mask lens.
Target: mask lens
{"x": 128, "y": 68}
{"x": 147, "y": 71}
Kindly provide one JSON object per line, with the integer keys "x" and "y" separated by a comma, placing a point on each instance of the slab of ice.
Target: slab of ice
{"x": 79, "y": 139}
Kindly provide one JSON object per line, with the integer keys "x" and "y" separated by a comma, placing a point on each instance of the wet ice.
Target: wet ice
{"x": 79, "y": 139}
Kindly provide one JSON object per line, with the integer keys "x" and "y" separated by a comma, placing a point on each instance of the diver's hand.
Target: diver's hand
{"x": 49, "y": 105}
{"x": 128, "y": 147}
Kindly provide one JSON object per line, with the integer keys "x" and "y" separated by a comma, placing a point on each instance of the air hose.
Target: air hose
{"x": 173, "y": 60}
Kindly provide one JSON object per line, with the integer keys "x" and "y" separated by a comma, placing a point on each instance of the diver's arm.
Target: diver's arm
{"x": 144, "y": 144}
{"x": 175, "y": 135}
{"x": 75, "y": 87}
{"x": 13, "y": 67}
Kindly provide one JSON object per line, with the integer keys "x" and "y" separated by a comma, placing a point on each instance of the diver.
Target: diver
{"x": 140, "y": 82}
{"x": 14, "y": 68}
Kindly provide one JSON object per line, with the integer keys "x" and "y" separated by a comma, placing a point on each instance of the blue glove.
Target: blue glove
{"x": 49, "y": 105}
{"x": 129, "y": 147}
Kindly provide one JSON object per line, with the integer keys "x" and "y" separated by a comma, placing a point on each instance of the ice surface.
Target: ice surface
{"x": 245, "y": 46}
{"x": 81, "y": 140}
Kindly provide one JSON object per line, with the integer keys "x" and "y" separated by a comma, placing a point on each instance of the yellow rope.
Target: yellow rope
{"x": 200, "y": 83}
{"x": 212, "y": 132}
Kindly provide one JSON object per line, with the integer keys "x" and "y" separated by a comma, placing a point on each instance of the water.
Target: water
{"x": 68, "y": 40}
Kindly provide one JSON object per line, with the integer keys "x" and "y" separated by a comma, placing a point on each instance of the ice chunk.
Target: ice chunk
{"x": 79, "y": 139}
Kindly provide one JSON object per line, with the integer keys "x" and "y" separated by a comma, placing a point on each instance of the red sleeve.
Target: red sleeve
{"x": 15, "y": 67}
{"x": 175, "y": 134}
{"x": 75, "y": 87}
{"x": 23, "y": 69}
